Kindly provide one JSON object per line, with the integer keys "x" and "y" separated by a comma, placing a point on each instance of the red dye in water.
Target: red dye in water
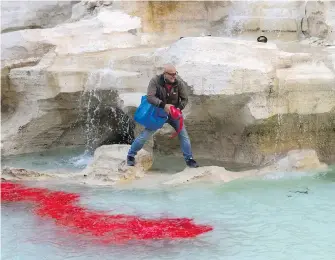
{"x": 61, "y": 206}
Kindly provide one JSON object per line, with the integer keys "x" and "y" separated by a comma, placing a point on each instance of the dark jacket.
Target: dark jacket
{"x": 158, "y": 95}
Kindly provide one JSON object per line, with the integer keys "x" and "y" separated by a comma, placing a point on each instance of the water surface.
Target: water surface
{"x": 281, "y": 216}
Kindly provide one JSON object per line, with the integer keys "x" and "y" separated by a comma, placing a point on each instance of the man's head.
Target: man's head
{"x": 170, "y": 73}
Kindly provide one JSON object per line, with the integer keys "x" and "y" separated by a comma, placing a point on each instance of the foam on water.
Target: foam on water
{"x": 287, "y": 175}
{"x": 80, "y": 161}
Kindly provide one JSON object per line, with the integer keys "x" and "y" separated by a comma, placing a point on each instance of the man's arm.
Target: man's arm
{"x": 183, "y": 95}
{"x": 151, "y": 94}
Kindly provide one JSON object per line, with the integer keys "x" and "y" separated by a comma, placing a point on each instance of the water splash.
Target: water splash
{"x": 80, "y": 161}
{"x": 101, "y": 119}
{"x": 92, "y": 107}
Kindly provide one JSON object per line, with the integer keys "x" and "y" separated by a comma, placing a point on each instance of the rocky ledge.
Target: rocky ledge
{"x": 108, "y": 168}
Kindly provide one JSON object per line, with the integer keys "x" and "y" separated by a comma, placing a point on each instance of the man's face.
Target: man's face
{"x": 170, "y": 75}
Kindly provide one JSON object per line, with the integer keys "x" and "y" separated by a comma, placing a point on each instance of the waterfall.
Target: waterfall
{"x": 101, "y": 120}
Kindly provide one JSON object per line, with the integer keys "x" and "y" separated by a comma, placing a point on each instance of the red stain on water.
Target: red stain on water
{"x": 62, "y": 207}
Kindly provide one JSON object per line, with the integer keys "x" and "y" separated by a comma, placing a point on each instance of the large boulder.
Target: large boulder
{"x": 18, "y": 15}
{"x": 17, "y": 52}
{"x": 109, "y": 166}
{"x": 19, "y": 45}
{"x": 68, "y": 97}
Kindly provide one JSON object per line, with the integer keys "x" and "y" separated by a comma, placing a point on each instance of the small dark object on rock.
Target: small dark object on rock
{"x": 133, "y": 31}
{"x": 262, "y": 38}
{"x": 181, "y": 37}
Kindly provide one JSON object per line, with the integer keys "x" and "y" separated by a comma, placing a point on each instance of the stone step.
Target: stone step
{"x": 255, "y": 23}
{"x": 306, "y": 77}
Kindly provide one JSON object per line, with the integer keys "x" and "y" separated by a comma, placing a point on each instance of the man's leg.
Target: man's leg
{"x": 138, "y": 145}
{"x": 185, "y": 143}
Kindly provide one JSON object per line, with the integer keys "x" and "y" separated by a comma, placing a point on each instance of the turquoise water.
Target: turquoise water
{"x": 76, "y": 159}
{"x": 72, "y": 159}
{"x": 280, "y": 216}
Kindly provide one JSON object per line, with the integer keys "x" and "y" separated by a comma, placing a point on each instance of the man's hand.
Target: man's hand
{"x": 167, "y": 108}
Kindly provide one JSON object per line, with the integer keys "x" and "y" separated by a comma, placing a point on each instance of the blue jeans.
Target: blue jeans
{"x": 145, "y": 135}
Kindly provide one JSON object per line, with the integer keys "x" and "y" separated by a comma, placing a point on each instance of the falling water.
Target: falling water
{"x": 93, "y": 103}
{"x": 100, "y": 116}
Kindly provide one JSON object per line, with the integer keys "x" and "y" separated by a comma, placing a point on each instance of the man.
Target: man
{"x": 164, "y": 91}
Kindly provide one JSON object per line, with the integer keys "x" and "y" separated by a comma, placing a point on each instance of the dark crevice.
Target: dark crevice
{"x": 19, "y": 28}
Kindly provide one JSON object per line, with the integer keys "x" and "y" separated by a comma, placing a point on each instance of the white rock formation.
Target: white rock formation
{"x": 319, "y": 19}
{"x": 71, "y": 82}
{"x": 18, "y": 15}
{"x": 109, "y": 165}
{"x": 296, "y": 161}
{"x": 108, "y": 168}
{"x": 245, "y": 94}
